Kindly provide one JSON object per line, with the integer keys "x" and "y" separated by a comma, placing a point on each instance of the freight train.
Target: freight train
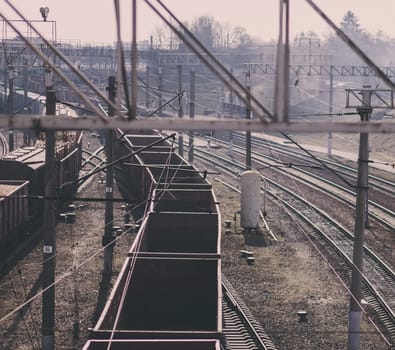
{"x": 22, "y": 175}
{"x": 168, "y": 293}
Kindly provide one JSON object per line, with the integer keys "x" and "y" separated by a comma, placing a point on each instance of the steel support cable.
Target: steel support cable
{"x": 57, "y": 253}
{"x": 288, "y": 210}
{"x": 318, "y": 160}
{"x": 168, "y": 168}
{"x": 241, "y": 94}
{"x": 176, "y": 168}
{"x": 63, "y": 276}
{"x": 311, "y": 95}
{"x": 352, "y": 45}
{"x": 82, "y": 178}
{"x": 57, "y": 52}
{"x": 121, "y": 53}
{"x": 126, "y": 286}
{"x": 133, "y": 63}
{"x": 15, "y": 56}
{"x": 118, "y": 78}
{"x": 154, "y": 88}
{"x": 165, "y": 170}
{"x": 53, "y": 66}
{"x": 134, "y": 258}
{"x": 165, "y": 104}
{"x": 71, "y": 270}
{"x": 42, "y": 95}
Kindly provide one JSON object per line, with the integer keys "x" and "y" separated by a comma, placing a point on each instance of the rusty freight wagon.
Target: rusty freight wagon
{"x": 168, "y": 294}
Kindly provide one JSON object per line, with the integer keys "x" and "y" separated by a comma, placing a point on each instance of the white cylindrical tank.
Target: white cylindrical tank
{"x": 250, "y": 201}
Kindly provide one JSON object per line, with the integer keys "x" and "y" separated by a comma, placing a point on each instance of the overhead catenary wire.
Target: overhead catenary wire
{"x": 121, "y": 64}
{"x": 339, "y": 278}
{"x": 60, "y": 55}
{"x": 135, "y": 253}
{"x": 55, "y": 69}
{"x": 228, "y": 79}
{"x": 333, "y": 269}
{"x": 361, "y": 54}
{"x": 82, "y": 178}
{"x": 324, "y": 165}
{"x": 165, "y": 104}
{"x": 71, "y": 270}
{"x": 63, "y": 276}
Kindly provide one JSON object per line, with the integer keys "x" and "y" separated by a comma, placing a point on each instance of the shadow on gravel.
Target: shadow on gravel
{"x": 254, "y": 238}
{"x": 21, "y": 317}
{"x": 10, "y": 254}
{"x": 105, "y": 287}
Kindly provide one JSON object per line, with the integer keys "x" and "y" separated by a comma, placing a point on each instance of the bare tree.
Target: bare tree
{"x": 164, "y": 38}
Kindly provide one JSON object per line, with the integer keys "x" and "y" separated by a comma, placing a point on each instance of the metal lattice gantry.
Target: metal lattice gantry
{"x": 265, "y": 122}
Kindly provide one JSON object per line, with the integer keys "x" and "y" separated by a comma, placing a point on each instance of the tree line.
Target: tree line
{"x": 212, "y": 33}
{"x": 216, "y": 35}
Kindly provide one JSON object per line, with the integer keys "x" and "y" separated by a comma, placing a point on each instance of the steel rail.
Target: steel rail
{"x": 259, "y": 159}
{"x": 252, "y": 335}
{"x": 378, "y": 182}
{"x": 378, "y": 278}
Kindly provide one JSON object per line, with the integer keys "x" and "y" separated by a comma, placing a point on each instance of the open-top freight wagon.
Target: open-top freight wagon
{"x": 168, "y": 294}
{"x": 27, "y": 165}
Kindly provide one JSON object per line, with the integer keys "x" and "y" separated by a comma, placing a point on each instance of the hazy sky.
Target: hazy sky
{"x": 93, "y": 20}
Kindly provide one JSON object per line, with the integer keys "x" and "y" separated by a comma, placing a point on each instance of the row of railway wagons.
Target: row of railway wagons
{"x": 168, "y": 293}
{"x": 22, "y": 176}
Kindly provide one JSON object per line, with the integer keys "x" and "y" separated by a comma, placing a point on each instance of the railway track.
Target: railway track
{"x": 292, "y": 153}
{"x": 381, "y": 214}
{"x": 241, "y": 331}
{"x": 378, "y": 278}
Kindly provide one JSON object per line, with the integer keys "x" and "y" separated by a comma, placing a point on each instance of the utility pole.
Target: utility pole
{"x": 109, "y": 209}
{"x": 355, "y": 315}
{"x": 191, "y": 114}
{"x": 11, "y": 78}
{"x": 230, "y": 150}
{"x": 160, "y": 87}
{"x": 330, "y": 140}
{"x": 49, "y": 235}
{"x": 180, "y": 111}
{"x": 310, "y": 40}
{"x": 134, "y": 60}
{"x": 26, "y": 132}
{"x": 147, "y": 87}
{"x": 248, "y": 116}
